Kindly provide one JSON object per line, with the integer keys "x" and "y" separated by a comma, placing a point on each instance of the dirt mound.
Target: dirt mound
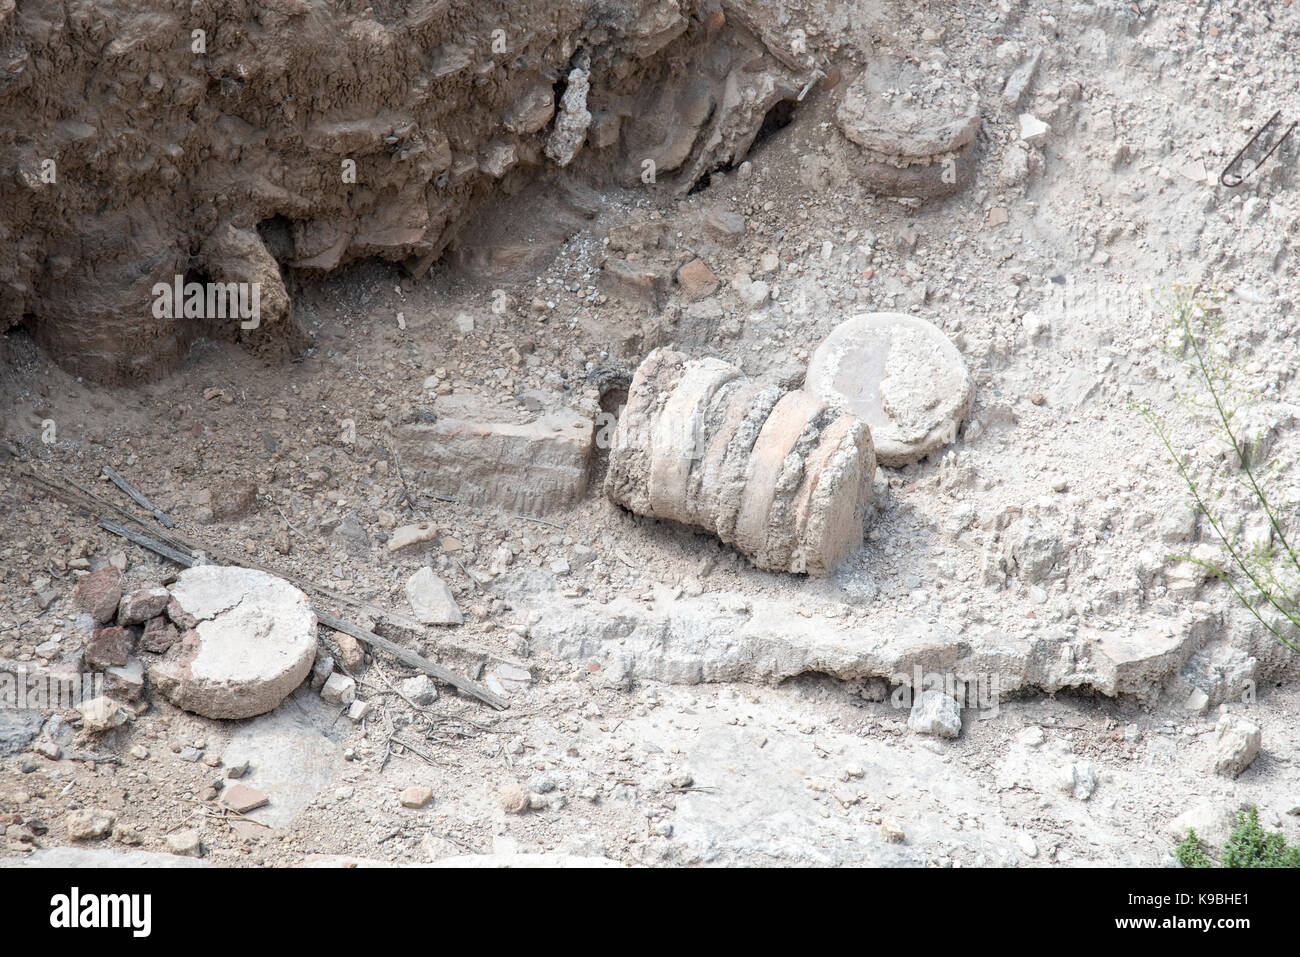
{"x": 154, "y": 158}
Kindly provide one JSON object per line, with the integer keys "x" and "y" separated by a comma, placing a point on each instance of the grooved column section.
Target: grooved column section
{"x": 780, "y": 475}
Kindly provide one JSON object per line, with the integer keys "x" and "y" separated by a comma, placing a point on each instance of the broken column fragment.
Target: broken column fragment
{"x": 901, "y": 375}
{"x": 780, "y": 475}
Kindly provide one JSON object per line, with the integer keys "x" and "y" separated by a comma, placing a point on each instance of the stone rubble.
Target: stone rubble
{"x": 101, "y": 714}
{"x": 431, "y": 600}
{"x": 1080, "y": 780}
{"x": 415, "y": 796}
{"x": 186, "y": 843}
{"x": 1236, "y": 745}
{"x": 514, "y": 798}
{"x": 139, "y": 606}
{"x": 242, "y": 799}
{"x": 98, "y": 594}
{"x": 419, "y": 689}
{"x": 359, "y": 710}
{"x": 339, "y": 690}
{"x": 110, "y": 647}
{"x": 410, "y": 538}
{"x": 935, "y": 713}
{"x": 89, "y": 823}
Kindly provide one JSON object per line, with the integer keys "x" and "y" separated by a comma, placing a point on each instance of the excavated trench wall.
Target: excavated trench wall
{"x": 238, "y": 142}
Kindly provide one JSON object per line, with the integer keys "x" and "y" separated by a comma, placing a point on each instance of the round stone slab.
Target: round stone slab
{"x": 901, "y": 376}
{"x": 254, "y": 643}
{"x": 896, "y": 109}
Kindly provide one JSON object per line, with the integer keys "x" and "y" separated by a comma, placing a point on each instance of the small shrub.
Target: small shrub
{"x": 1249, "y": 845}
{"x": 1189, "y": 852}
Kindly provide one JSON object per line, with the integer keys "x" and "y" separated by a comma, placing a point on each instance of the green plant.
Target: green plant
{"x": 1249, "y": 845}
{"x": 1189, "y": 852}
{"x": 1264, "y": 578}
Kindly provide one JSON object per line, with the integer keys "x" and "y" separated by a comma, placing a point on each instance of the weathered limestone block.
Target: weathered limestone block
{"x": 780, "y": 475}
{"x": 531, "y": 468}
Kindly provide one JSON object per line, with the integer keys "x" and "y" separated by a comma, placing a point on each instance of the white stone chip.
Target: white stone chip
{"x": 431, "y": 599}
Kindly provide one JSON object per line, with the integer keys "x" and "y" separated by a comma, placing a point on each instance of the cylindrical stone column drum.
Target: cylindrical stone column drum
{"x": 781, "y": 475}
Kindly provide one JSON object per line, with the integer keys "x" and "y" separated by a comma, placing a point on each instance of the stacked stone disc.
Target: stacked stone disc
{"x": 919, "y": 144}
{"x": 781, "y": 475}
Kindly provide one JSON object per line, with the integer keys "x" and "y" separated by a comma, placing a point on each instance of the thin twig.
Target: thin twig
{"x": 540, "y": 521}
{"x": 417, "y": 751}
{"x": 397, "y": 465}
{"x": 415, "y": 661}
{"x": 139, "y": 499}
{"x": 393, "y": 688}
{"x": 287, "y": 522}
{"x": 477, "y": 587}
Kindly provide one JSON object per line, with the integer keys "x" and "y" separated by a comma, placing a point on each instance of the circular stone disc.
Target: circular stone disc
{"x": 900, "y": 375}
{"x": 898, "y": 109}
{"x": 254, "y": 643}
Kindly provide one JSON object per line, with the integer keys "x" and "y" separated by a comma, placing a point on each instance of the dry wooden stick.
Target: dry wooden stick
{"x": 397, "y": 465}
{"x": 408, "y": 657}
{"x": 139, "y": 499}
{"x": 286, "y": 519}
{"x": 539, "y": 521}
{"x": 473, "y": 581}
{"x": 415, "y": 750}
{"x": 144, "y": 541}
{"x": 394, "y": 618}
{"x": 84, "y": 498}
